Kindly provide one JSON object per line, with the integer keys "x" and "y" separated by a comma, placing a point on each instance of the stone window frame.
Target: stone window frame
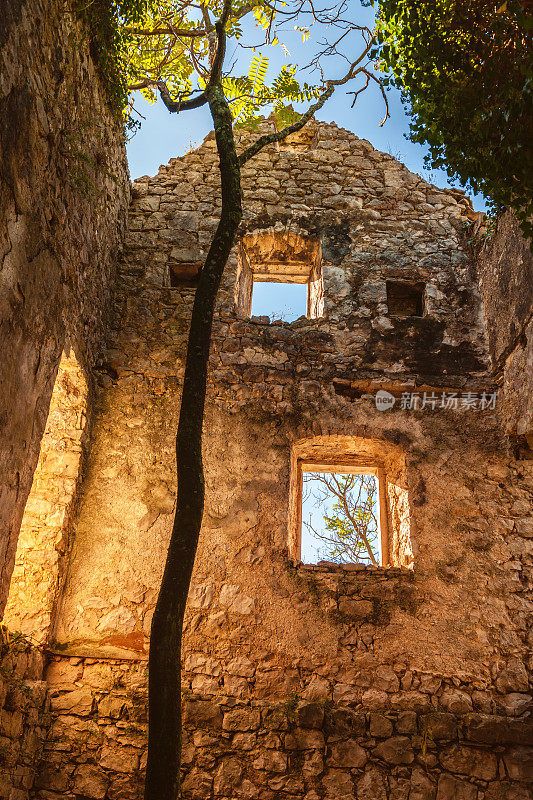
{"x": 351, "y": 466}
{"x": 303, "y": 270}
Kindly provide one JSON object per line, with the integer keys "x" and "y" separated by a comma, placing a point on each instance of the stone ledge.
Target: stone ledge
{"x": 362, "y": 570}
{"x": 100, "y": 652}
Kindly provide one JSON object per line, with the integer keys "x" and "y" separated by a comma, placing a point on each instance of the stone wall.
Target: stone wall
{"x": 505, "y": 270}
{"x": 415, "y": 736}
{"x": 407, "y": 681}
{"x": 314, "y": 681}
{"x": 24, "y": 715}
{"x": 63, "y": 196}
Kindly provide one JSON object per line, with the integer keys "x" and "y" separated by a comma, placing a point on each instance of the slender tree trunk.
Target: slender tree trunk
{"x": 164, "y": 736}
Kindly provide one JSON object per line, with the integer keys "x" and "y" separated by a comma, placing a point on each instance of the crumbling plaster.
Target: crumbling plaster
{"x": 63, "y": 196}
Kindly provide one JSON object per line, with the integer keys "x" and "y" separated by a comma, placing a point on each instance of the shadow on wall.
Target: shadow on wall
{"x": 43, "y": 544}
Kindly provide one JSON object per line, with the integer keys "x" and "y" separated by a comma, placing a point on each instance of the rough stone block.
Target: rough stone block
{"x": 519, "y": 763}
{"x": 450, "y": 788}
{"x": 79, "y": 702}
{"x": 202, "y": 714}
{"x": 396, "y": 750}
{"x": 439, "y": 725}
{"x": 467, "y": 761}
{"x": 348, "y": 755}
{"x": 242, "y": 719}
{"x": 310, "y": 715}
{"x": 380, "y": 726}
{"x": 90, "y": 781}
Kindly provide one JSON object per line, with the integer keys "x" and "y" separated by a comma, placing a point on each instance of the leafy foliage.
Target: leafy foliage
{"x": 183, "y": 63}
{"x": 249, "y": 94}
{"x": 467, "y": 71}
{"x": 350, "y": 532}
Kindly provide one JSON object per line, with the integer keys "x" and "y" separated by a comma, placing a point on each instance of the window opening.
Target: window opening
{"x": 340, "y": 518}
{"x": 279, "y": 276}
{"x": 338, "y": 455}
{"x": 405, "y": 299}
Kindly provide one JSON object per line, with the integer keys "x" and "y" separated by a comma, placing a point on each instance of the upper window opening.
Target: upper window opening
{"x": 279, "y": 276}
{"x": 340, "y": 518}
{"x": 405, "y": 299}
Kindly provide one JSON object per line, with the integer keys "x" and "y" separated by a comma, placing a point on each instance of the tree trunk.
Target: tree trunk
{"x": 164, "y": 735}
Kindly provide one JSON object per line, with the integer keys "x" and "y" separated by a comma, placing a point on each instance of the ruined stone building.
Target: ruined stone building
{"x": 404, "y": 681}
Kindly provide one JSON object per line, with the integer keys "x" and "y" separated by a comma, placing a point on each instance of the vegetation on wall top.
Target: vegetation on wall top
{"x": 107, "y": 23}
{"x": 466, "y": 71}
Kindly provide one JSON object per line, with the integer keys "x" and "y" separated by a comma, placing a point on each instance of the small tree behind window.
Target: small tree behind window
{"x": 349, "y": 532}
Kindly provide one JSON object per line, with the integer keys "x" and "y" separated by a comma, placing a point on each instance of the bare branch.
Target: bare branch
{"x": 166, "y": 31}
{"x": 354, "y": 494}
{"x": 211, "y": 35}
{"x": 278, "y": 136}
{"x": 175, "y": 106}
{"x": 370, "y": 77}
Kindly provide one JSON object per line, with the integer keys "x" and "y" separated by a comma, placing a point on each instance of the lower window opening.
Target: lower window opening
{"x": 371, "y": 476}
{"x": 340, "y": 518}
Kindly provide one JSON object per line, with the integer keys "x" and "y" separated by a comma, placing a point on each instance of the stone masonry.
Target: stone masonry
{"x": 505, "y": 274}
{"x": 24, "y": 715}
{"x": 407, "y": 681}
{"x": 64, "y": 193}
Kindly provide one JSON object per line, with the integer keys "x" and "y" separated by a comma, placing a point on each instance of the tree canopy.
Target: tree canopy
{"x": 466, "y": 71}
{"x": 175, "y": 43}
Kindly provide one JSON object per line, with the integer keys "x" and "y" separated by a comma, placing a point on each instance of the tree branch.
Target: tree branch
{"x": 359, "y": 530}
{"x": 175, "y": 106}
{"x": 178, "y": 32}
{"x": 218, "y": 61}
{"x": 277, "y": 136}
{"x": 340, "y": 489}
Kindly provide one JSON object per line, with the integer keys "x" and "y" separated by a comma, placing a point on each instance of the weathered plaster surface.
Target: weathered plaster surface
{"x": 45, "y": 533}
{"x": 63, "y": 197}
